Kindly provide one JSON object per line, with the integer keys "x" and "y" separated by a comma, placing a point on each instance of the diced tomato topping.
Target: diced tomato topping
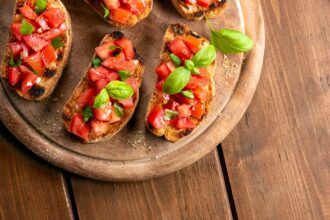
{"x": 55, "y": 32}
{"x": 183, "y": 110}
{"x": 86, "y": 97}
{"x": 42, "y": 23}
{"x": 134, "y": 83}
{"x": 35, "y": 61}
{"x": 95, "y": 74}
{"x": 171, "y": 105}
{"x": 112, "y": 76}
{"x": 79, "y": 127}
{"x": 200, "y": 94}
{"x": 25, "y": 50}
{"x": 171, "y": 66}
{"x": 113, "y": 63}
{"x": 182, "y": 123}
{"x": 135, "y": 6}
{"x": 13, "y": 75}
{"x": 112, "y": 4}
{"x": 16, "y": 29}
{"x": 28, "y": 12}
{"x": 198, "y": 110}
{"x": 100, "y": 84}
{"x": 156, "y": 117}
{"x": 15, "y": 49}
{"x": 104, "y": 113}
{"x": 179, "y": 48}
{"x": 29, "y": 81}
{"x": 193, "y": 43}
{"x": 127, "y": 47}
{"x": 203, "y": 72}
{"x": 48, "y": 55}
{"x": 35, "y": 42}
{"x": 99, "y": 127}
{"x": 25, "y": 70}
{"x": 163, "y": 71}
{"x": 114, "y": 116}
{"x": 54, "y": 16}
{"x": 183, "y": 100}
{"x": 127, "y": 103}
{"x": 31, "y": 3}
{"x": 120, "y": 15}
{"x": 160, "y": 85}
{"x": 204, "y": 3}
{"x": 190, "y": 2}
{"x": 196, "y": 81}
{"x": 103, "y": 50}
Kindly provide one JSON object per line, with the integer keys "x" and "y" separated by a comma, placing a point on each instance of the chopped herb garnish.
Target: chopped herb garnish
{"x": 169, "y": 114}
{"x": 97, "y": 62}
{"x": 175, "y": 59}
{"x": 101, "y": 99}
{"x": 57, "y": 42}
{"x": 118, "y": 110}
{"x": 12, "y": 62}
{"x": 106, "y": 11}
{"x": 124, "y": 74}
{"x": 26, "y": 28}
{"x": 41, "y": 5}
{"x": 188, "y": 94}
{"x": 88, "y": 113}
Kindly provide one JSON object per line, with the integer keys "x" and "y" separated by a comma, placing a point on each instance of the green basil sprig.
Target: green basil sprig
{"x": 106, "y": 11}
{"x": 230, "y": 41}
{"x": 57, "y": 42}
{"x": 180, "y": 77}
{"x": 118, "y": 110}
{"x": 204, "y": 57}
{"x": 177, "y": 80}
{"x": 41, "y": 5}
{"x": 97, "y": 62}
{"x": 26, "y": 28}
{"x": 119, "y": 90}
{"x": 101, "y": 99}
{"x": 169, "y": 114}
{"x": 87, "y": 113}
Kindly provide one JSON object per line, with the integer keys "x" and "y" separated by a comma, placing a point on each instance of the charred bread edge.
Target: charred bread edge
{"x": 128, "y": 113}
{"x": 195, "y": 16}
{"x": 52, "y": 81}
{"x": 171, "y": 134}
{"x": 122, "y": 25}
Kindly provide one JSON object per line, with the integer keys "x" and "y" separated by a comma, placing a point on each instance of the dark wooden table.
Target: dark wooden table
{"x": 274, "y": 165}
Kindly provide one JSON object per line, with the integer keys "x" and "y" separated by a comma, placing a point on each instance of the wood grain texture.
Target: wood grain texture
{"x": 278, "y": 157}
{"x": 29, "y": 188}
{"x": 197, "y": 192}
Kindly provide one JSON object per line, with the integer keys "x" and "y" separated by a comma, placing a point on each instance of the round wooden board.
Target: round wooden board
{"x": 135, "y": 154}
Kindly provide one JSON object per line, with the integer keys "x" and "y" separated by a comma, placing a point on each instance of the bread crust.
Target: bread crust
{"x": 71, "y": 107}
{"x": 48, "y": 83}
{"x": 169, "y": 132}
{"x": 134, "y": 19}
{"x": 196, "y": 13}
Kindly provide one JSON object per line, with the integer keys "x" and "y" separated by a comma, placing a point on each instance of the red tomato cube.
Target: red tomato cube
{"x": 29, "y": 81}
{"x": 79, "y": 127}
{"x": 48, "y": 55}
{"x": 192, "y": 43}
{"x": 204, "y": 3}
{"x": 182, "y": 123}
{"x": 16, "y": 31}
{"x": 99, "y": 127}
{"x": 127, "y": 47}
{"x": 200, "y": 94}
{"x": 198, "y": 110}
{"x": 179, "y": 48}
{"x": 156, "y": 117}
{"x": 86, "y": 97}
{"x": 163, "y": 71}
{"x": 103, "y": 50}
{"x": 55, "y": 32}
{"x": 183, "y": 110}
{"x": 35, "y": 61}
{"x": 127, "y": 103}
{"x": 104, "y": 113}
{"x": 112, "y": 4}
{"x": 120, "y": 15}
{"x": 28, "y": 12}
{"x": 13, "y": 75}
{"x": 54, "y": 16}
{"x": 35, "y": 42}
{"x": 95, "y": 74}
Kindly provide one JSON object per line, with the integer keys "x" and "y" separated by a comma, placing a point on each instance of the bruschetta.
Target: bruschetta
{"x": 122, "y": 13}
{"x": 198, "y": 9}
{"x": 38, "y": 48}
{"x": 105, "y": 99}
{"x": 181, "y": 101}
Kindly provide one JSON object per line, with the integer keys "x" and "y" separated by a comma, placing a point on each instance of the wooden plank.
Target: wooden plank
{"x": 29, "y": 187}
{"x": 278, "y": 156}
{"x": 197, "y": 192}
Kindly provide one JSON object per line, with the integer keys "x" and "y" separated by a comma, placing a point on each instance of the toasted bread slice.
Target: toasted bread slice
{"x": 169, "y": 132}
{"x": 196, "y": 12}
{"x": 48, "y": 80}
{"x": 133, "y": 20}
{"x": 71, "y": 106}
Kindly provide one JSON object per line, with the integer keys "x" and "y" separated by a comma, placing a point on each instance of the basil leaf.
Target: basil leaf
{"x": 177, "y": 80}
{"x": 188, "y": 94}
{"x": 231, "y": 41}
{"x": 106, "y": 11}
{"x": 118, "y": 110}
{"x": 119, "y": 90}
{"x": 205, "y": 56}
{"x": 101, "y": 99}
{"x": 176, "y": 60}
{"x": 12, "y": 62}
{"x": 41, "y": 5}
{"x": 124, "y": 74}
{"x": 169, "y": 114}
{"x": 88, "y": 113}
{"x": 195, "y": 71}
{"x": 189, "y": 65}
{"x": 26, "y": 28}
{"x": 97, "y": 62}
{"x": 57, "y": 42}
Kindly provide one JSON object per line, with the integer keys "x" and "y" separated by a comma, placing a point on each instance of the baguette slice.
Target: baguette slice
{"x": 132, "y": 21}
{"x": 72, "y": 108}
{"x": 196, "y": 12}
{"x": 169, "y": 132}
{"x": 49, "y": 80}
